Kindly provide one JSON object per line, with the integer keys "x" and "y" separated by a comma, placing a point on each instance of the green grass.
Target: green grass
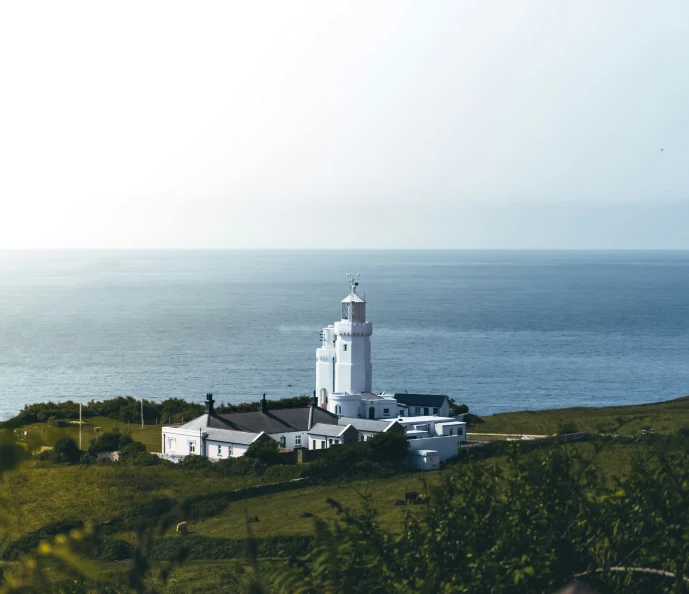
{"x": 43, "y": 433}
{"x": 663, "y": 417}
{"x": 279, "y": 514}
{"x": 40, "y": 493}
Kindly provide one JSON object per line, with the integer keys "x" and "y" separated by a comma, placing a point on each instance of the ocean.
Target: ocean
{"x": 497, "y": 330}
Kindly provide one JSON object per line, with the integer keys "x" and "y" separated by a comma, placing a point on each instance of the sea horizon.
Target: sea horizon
{"x": 498, "y": 330}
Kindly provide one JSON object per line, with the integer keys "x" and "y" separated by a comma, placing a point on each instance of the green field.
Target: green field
{"x": 662, "y": 417}
{"x": 46, "y": 434}
{"x": 38, "y": 493}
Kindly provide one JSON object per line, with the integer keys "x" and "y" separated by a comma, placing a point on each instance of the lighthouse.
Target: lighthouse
{"x": 343, "y": 361}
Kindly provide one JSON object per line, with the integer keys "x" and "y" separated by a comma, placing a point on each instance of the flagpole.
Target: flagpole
{"x": 80, "y": 425}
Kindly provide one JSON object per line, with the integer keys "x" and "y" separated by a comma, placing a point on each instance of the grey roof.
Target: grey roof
{"x": 353, "y": 298}
{"x": 329, "y": 430}
{"x": 433, "y": 400}
{"x": 219, "y": 433}
{"x": 375, "y": 425}
{"x": 241, "y": 437}
{"x": 285, "y": 420}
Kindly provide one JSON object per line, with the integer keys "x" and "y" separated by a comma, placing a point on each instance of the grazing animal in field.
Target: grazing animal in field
{"x": 306, "y": 515}
{"x": 400, "y": 502}
{"x": 411, "y": 496}
{"x": 182, "y": 527}
{"x": 253, "y": 519}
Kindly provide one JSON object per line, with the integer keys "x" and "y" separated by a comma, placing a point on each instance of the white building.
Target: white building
{"x": 220, "y": 436}
{"x": 323, "y": 436}
{"x": 347, "y": 409}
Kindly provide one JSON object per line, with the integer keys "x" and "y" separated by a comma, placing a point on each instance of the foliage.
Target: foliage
{"x": 566, "y": 428}
{"x": 457, "y": 409}
{"x": 11, "y": 453}
{"x": 265, "y": 451}
{"x": 387, "y": 447}
{"x": 529, "y": 527}
{"x": 110, "y": 441}
{"x": 67, "y": 450}
{"x": 128, "y": 409}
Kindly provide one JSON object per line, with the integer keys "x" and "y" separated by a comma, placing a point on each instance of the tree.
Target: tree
{"x": 266, "y": 451}
{"x": 388, "y": 447}
{"x": 67, "y": 450}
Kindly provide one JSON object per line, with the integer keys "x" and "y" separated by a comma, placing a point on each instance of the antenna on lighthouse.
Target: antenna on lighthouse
{"x": 353, "y": 284}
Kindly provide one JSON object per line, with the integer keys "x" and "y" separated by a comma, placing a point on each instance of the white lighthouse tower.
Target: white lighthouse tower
{"x": 343, "y": 362}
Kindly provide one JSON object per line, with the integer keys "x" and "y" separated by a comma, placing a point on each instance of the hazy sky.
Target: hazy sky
{"x": 328, "y": 124}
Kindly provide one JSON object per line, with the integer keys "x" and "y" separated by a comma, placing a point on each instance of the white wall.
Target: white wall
{"x": 291, "y": 439}
{"x": 181, "y": 438}
{"x": 315, "y": 441}
{"x": 379, "y": 405}
{"x": 212, "y": 449}
{"x": 447, "y": 447}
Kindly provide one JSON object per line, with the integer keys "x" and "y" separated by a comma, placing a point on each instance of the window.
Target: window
{"x": 451, "y": 431}
{"x": 425, "y": 411}
{"x": 386, "y": 412}
{"x": 283, "y": 441}
{"x": 344, "y": 347}
{"x": 229, "y": 451}
{"x": 330, "y": 442}
{"x": 323, "y": 444}
{"x": 435, "y": 411}
{"x": 401, "y": 412}
{"x": 170, "y": 444}
{"x": 219, "y": 451}
{"x": 338, "y": 409}
{"x": 192, "y": 447}
{"x": 361, "y": 437}
{"x": 345, "y": 311}
{"x": 460, "y": 432}
{"x": 417, "y": 410}
{"x": 297, "y": 440}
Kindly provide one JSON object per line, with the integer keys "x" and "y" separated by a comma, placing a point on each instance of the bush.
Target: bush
{"x": 196, "y": 463}
{"x": 265, "y": 451}
{"x": 566, "y": 428}
{"x": 388, "y": 447}
{"x": 66, "y": 450}
{"x": 113, "y": 550}
{"x": 110, "y": 441}
{"x": 242, "y": 466}
{"x": 457, "y": 409}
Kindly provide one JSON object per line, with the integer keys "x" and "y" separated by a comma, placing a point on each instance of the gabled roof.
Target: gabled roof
{"x": 224, "y": 434}
{"x": 433, "y": 400}
{"x": 329, "y": 430}
{"x": 375, "y": 425}
{"x": 285, "y": 420}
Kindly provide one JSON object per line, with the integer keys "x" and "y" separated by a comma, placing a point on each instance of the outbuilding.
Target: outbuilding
{"x": 425, "y": 460}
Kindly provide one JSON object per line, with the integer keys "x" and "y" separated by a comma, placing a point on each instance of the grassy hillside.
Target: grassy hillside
{"x": 662, "y": 417}
{"x": 44, "y": 433}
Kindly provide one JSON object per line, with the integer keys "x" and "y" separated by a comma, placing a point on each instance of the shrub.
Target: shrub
{"x": 242, "y": 466}
{"x": 110, "y": 441}
{"x": 457, "y": 409}
{"x": 196, "y": 463}
{"x": 388, "y": 447}
{"x": 566, "y": 428}
{"x": 265, "y": 451}
{"x": 66, "y": 450}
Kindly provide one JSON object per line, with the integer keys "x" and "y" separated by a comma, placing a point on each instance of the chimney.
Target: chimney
{"x": 264, "y": 404}
{"x": 209, "y": 405}
{"x": 312, "y": 410}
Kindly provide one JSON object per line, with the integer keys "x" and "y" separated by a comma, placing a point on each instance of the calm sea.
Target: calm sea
{"x": 496, "y": 330}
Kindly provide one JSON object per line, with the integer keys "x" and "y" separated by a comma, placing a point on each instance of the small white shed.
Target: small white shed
{"x": 425, "y": 460}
